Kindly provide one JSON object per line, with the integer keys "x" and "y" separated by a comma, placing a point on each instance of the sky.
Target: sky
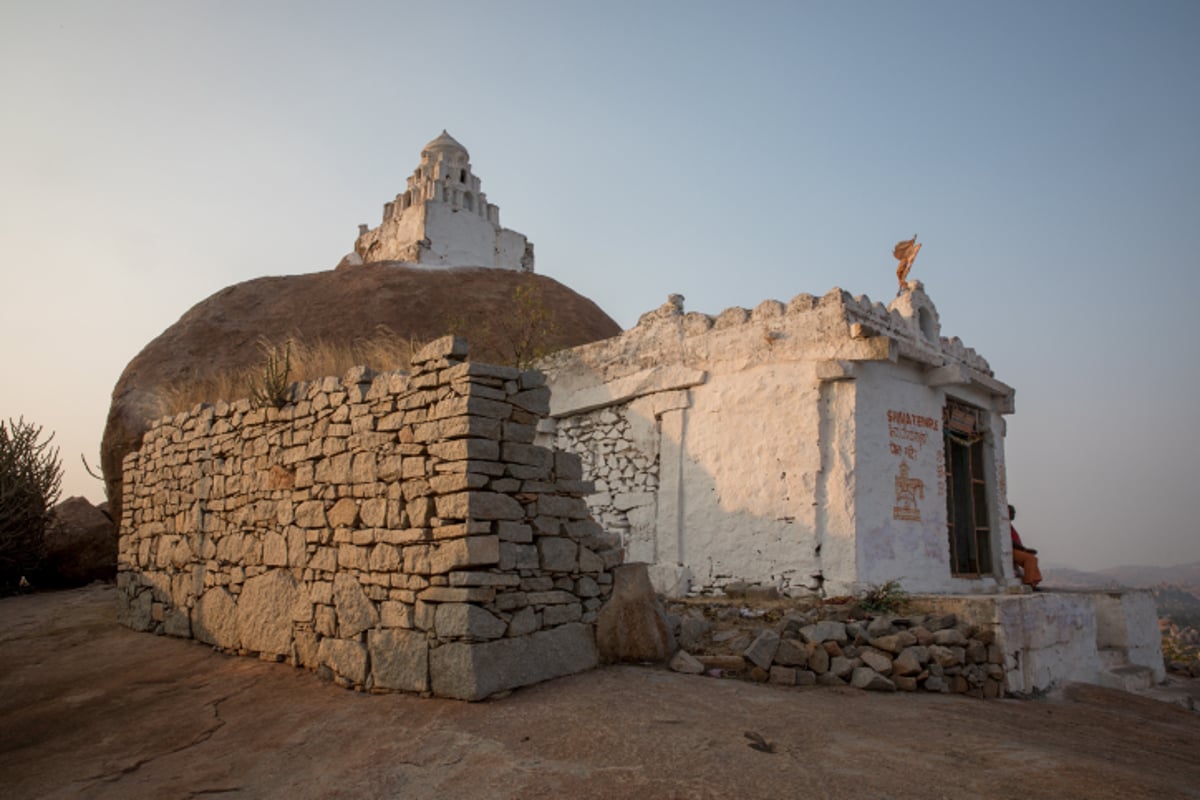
{"x": 1047, "y": 153}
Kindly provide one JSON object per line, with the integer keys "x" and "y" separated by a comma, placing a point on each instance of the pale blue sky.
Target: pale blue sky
{"x": 1047, "y": 153}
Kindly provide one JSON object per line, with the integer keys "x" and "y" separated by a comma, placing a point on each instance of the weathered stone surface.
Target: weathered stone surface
{"x": 215, "y": 619}
{"x": 894, "y": 643}
{"x": 310, "y": 514}
{"x": 135, "y": 612}
{"x": 842, "y": 666}
{"x": 949, "y": 637}
{"x": 355, "y": 611}
{"x": 177, "y": 623}
{"x": 344, "y": 514}
{"x": 792, "y": 653}
{"x": 452, "y": 555}
{"x": 558, "y": 614}
{"x": 910, "y": 660}
{"x": 818, "y": 659}
{"x": 346, "y": 658}
{"x": 761, "y": 651}
{"x": 632, "y": 625}
{"x": 945, "y": 656}
{"x": 825, "y": 631}
{"x": 976, "y": 652}
{"x": 685, "y": 662}
{"x": 877, "y": 660}
{"x": 463, "y": 620}
{"x": 274, "y": 550}
{"x": 869, "y": 679}
{"x": 394, "y": 614}
{"x": 724, "y": 663}
{"x": 692, "y": 629}
{"x": 479, "y": 505}
{"x": 399, "y": 660}
{"x": 80, "y": 542}
{"x": 880, "y": 626}
{"x": 523, "y": 621}
{"x": 557, "y": 554}
{"x": 448, "y": 347}
{"x": 937, "y": 622}
{"x": 474, "y": 671}
{"x": 457, "y": 594}
{"x": 463, "y": 449}
{"x": 264, "y": 612}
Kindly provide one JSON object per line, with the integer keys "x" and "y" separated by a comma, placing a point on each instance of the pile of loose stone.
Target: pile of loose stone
{"x": 835, "y": 645}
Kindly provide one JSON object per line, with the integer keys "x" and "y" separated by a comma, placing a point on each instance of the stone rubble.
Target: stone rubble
{"x": 794, "y": 645}
{"x": 390, "y": 532}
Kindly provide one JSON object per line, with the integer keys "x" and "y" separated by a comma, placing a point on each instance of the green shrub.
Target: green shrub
{"x": 272, "y": 388}
{"x": 30, "y": 484}
{"x": 885, "y": 598}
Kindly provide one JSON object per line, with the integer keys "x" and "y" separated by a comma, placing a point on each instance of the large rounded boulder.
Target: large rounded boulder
{"x": 81, "y": 544}
{"x": 224, "y": 334}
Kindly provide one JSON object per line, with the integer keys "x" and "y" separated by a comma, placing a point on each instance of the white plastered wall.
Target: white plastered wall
{"x": 457, "y": 238}
{"x": 778, "y": 467}
{"x": 901, "y": 517}
{"x": 750, "y": 464}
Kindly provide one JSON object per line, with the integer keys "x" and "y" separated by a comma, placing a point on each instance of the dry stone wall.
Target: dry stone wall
{"x": 393, "y": 532}
{"x": 829, "y": 646}
{"x": 622, "y": 462}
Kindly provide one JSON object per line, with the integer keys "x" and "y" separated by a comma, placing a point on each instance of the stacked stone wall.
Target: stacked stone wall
{"x": 393, "y": 532}
{"x": 622, "y": 466}
{"x": 824, "y": 646}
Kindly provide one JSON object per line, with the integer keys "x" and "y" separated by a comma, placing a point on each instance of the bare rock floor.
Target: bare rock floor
{"x": 89, "y": 709}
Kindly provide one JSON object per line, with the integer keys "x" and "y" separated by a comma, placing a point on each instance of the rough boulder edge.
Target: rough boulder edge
{"x": 474, "y": 671}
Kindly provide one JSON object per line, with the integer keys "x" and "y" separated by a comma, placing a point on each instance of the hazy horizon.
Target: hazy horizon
{"x": 1045, "y": 153}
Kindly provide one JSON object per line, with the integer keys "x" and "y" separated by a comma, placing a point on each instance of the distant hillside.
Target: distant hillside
{"x": 1179, "y": 605}
{"x": 1176, "y": 589}
{"x": 1134, "y": 577}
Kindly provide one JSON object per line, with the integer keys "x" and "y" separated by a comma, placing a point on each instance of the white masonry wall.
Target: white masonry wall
{"x": 901, "y": 439}
{"x": 756, "y": 446}
{"x": 443, "y": 219}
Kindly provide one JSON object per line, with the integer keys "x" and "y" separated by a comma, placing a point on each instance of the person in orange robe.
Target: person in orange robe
{"x": 1024, "y": 557}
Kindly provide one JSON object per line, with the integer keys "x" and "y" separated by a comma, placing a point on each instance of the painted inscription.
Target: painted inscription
{"x": 908, "y": 433}
{"x": 908, "y": 491}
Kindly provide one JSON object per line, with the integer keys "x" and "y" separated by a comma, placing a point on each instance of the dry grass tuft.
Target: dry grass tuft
{"x": 383, "y": 351}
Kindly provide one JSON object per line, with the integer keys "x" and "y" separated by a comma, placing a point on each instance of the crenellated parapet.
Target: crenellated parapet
{"x": 911, "y": 320}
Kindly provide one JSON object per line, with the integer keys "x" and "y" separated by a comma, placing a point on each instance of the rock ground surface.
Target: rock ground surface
{"x": 89, "y": 709}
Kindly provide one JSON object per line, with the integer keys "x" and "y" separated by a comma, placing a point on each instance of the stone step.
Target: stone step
{"x": 1128, "y": 678}
{"x": 1113, "y": 657}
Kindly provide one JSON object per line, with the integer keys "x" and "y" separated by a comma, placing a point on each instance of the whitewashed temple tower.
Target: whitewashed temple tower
{"x": 443, "y": 219}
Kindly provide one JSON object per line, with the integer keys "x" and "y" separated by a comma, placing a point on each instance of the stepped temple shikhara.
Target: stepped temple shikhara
{"x": 443, "y": 219}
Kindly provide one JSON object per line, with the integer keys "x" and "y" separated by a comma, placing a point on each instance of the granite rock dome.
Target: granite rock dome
{"x": 223, "y": 333}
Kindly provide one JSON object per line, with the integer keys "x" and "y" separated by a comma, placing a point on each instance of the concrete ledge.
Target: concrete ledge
{"x": 1052, "y": 638}
{"x": 567, "y": 399}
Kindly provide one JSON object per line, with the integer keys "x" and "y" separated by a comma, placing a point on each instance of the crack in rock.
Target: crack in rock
{"x": 200, "y": 738}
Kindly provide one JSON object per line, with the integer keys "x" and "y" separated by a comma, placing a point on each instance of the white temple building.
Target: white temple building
{"x": 443, "y": 219}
